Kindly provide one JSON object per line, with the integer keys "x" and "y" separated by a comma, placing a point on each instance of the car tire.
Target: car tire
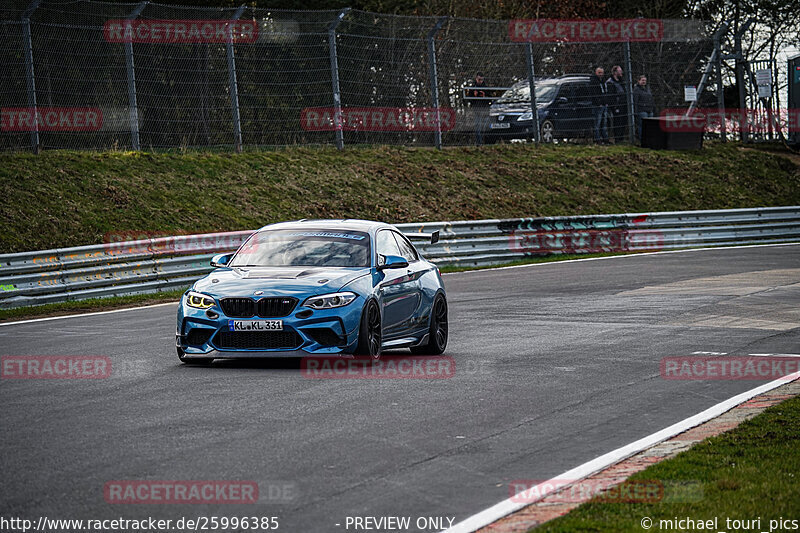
{"x": 547, "y": 131}
{"x": 370, "y": 332}
{"x": 196, "y": 361}
{"x": 438, "y": 332}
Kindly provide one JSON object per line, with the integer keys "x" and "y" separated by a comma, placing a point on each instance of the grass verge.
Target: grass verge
{"x": 70, "y": 198}
{"x": 747, "y": 473}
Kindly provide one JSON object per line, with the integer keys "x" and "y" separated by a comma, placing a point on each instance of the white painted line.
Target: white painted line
{"x": 506, "y": 507}
{"x": 85, "y": 314}
{"x": 775, "y": 354}
{"x": 621, "y": 256}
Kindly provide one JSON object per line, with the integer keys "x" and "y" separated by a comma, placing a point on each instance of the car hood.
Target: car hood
{"x": 511, "y": 107}
{"x": 277, "y": 281}
{"x": 515, "y": 107}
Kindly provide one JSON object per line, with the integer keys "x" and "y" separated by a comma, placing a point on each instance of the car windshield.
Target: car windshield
{"x": 304, "y": 247}
{"x": 522, "y": 93}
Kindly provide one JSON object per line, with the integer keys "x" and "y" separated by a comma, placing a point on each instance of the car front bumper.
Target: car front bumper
{"x": 315, "y": 332}
{"x": 516, "y": 130}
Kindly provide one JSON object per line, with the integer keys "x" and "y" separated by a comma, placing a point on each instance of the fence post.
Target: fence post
{"x": 532, "y": 87}
{"x": 337, "y": 95}
{"x": 770, "y": 115}
{"x": 740, "y": 79}
{"x": 133, "y": 109}
{"x": 629, "y": 92}
{"x": 30, "y": 75}
{"x": 234, "y": 88}
{"x": 434, "y": 79}
{"x": 720, "y": 86}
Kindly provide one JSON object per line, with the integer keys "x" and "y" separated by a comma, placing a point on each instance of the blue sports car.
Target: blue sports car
{"x": 315, "y": 287}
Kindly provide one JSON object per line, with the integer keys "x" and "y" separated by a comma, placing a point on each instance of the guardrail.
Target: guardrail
{"x": 153, "y": 265}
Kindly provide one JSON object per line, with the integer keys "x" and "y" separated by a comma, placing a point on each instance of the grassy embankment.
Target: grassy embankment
{"x": 65, "y": 198}
{"x": 62, "y": 198}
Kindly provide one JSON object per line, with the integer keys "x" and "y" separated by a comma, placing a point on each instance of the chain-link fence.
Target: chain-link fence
{"x": 98, "y": 75}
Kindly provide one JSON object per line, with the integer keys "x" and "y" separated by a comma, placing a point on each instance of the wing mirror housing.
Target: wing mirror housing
{"x": 392, "y": 261}
{"x": 221, "y": 260}
{"x": 433, "y": 237}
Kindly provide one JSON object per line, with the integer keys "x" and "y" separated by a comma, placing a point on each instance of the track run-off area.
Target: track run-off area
{"x": 555, "y": 365}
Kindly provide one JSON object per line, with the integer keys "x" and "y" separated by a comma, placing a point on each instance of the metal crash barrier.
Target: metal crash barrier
{"x": 166, "y": 263}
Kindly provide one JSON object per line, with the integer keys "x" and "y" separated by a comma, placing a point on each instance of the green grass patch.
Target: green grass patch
{"x": 750, "y": 472}
{"x": 69, "y": 198}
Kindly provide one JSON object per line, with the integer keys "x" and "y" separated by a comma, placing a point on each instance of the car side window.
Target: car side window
{"x": 567, "y": 91}
{"x": 583, "y": 91}
{"x": 385, "y": 244}
{"x": 407, "y": 251}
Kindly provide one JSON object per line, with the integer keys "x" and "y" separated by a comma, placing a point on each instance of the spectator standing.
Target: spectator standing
{"x": 480, "y": 108}
{"x": 617, "y": 104}
{"x": 598, "y": 93}
{"x": 644, "y": 104}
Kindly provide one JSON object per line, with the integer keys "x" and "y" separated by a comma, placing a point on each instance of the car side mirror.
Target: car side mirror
{"x": 392, "y": 261}
{"x": 562, "y": 100}
{"x": 221, "y": 260}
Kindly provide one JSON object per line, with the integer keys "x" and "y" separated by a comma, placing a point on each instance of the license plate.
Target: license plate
{"x": 500, "y": 125}
{"x": 255, "y": 325}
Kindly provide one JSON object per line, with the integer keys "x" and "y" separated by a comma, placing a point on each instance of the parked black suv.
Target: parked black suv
{"x": 564, "y": 105}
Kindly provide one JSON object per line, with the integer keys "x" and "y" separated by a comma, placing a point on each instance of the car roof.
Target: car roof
{"x": 349, "y": 224}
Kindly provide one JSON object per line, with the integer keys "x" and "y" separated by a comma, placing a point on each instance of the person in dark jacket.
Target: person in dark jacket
{"x": 598, "y": 93}
{"x": 617, "y": 104}
{"x": 480, "y": 108}
{"x": 644, "y": 105}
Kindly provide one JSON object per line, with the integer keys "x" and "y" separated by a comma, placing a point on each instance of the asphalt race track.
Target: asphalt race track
{"x": 555, "y": 364}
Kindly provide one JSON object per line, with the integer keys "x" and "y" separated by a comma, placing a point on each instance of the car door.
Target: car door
{"x": 417, "y": 269}
{"x": 569, "y": 123}
{"x": 584, "y": 108}
{"x": 398, "y": 289}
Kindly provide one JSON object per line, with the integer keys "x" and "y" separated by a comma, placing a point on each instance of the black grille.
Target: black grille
{"x": 324, "y": 336}
{"x": 275, "y": 307}
{"x": 238, "y": 307}
{"x": 257, "y": 340}
{"x": 198, "y": 336}
{"x": 265, "y": 307}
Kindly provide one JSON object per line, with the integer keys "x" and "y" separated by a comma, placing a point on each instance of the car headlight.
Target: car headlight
{"x": 198, "y": 300}
{"x": 525, "y": 116}
{"x": 329, "y": 301}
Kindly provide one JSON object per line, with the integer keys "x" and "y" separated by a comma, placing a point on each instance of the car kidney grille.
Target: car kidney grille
{"x": 238, "y": 307}
{"x": 257, "y": 340}
{"x": 265, "y": 307}
{"x": 275, "y": 307}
